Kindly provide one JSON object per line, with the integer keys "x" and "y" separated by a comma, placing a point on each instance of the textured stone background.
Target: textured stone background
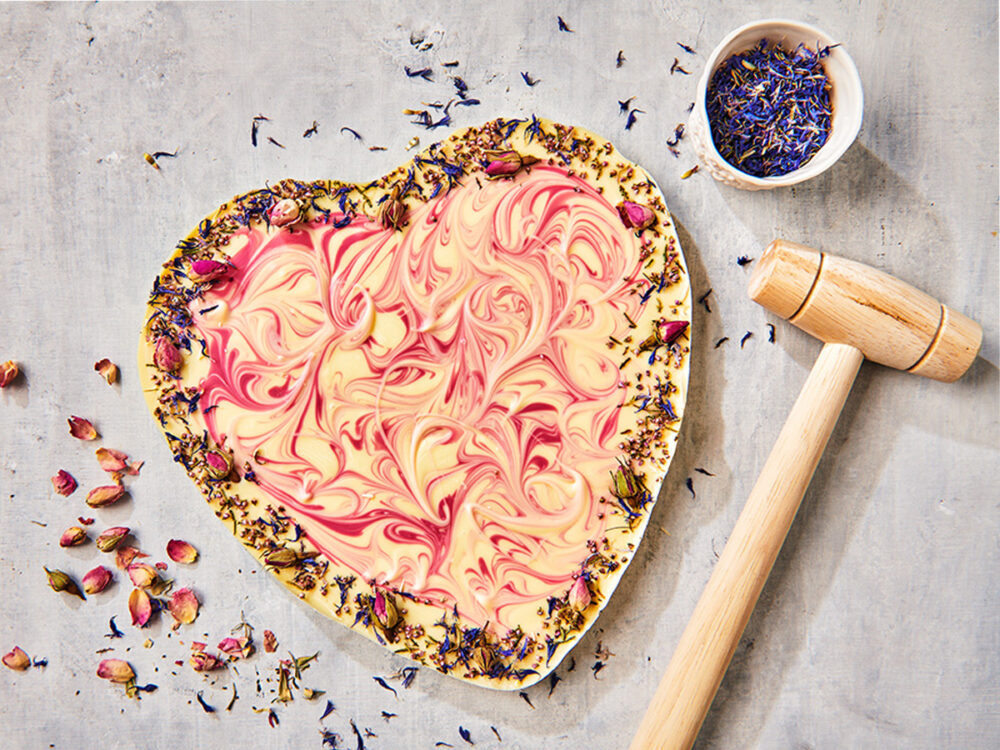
{"x": 880, "y": 626}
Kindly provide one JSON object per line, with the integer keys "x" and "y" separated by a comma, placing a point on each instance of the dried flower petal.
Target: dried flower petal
{"x": 125, "y": 555}
{"x": 181, "y": 552}
{"x": 270, "y": 642}
{"x": 115, "y": 670}
{"x": 105, "y": 495}
{"x": 85, "y": 521}
{"x": 579, "y": 594}
{"x": 108, "y": 370}
{"x": 392, "y": 213}
{"x": 166, "y": 355}
{"x": 96, "y": 580}
{"x": 284, "y": 213}
{"x": 506, "y": 163}
{"x": 108, "y": 540}
{"x": 59, "y": 581}
{"x": 219, "y": 464}
{"x": 184, "y": 606}
{"x": 16, "y": 659}
{"x": 236, "y": 647}
{"x": 204, "y": 662}
{"x": 143, "y": 575}
{"x": 82, "y": 429}
{"x": 73, "y": 536}
{"x": 63, "y": 483}
{"x": 635, "y": 215}
{"x": 111, "y": 460}
{"x": 282, "y": 558}
{"x": 8, "y": 373}
{"x": 670, "y": 330}
{"x": 140, "y": 606}
{"x": 203, "y": 271}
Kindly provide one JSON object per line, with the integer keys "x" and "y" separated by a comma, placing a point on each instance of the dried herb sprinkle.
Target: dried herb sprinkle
{"x": 769, "y": 108}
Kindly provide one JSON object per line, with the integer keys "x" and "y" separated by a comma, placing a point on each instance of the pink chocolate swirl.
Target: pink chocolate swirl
{"x": 437, "y": 407}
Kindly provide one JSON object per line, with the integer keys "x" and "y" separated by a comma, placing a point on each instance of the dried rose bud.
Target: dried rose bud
{"x": 635, "y": 215}
{"x": 82, "y": 429}
{"x": 8, "y": 373}
{"x": 270, "y": 642}
{"x": 203, "y": 271}
{"x": 284, "y": 213}
{"x": 96, "y": 580}
{"x": 143, "y": 575}
{"x": 73, "y": 536}
{"x": 16, "y": 659}
{"x": 626, "y": 485}
{"x": 392, "y": 212}
{"x": 282, "y": 558}
{"x": 219, "y": 464}
{"x": 203, "y": 662}
{"x": 108, "y": 370}
{"x": 236, "y": 648}
{"x": 506, "y": 163}
{"x": 183, "y": 606}
{"x": 59, "y": 581}
{"x": 105, "y": 495}
{"x": 166, "y": 355}
{"x": 140, "y": 606}
{"x": 181, "y": 552}
{"x": 670, "y": 330}
{"x": 108, "y": 541}
{"x": 384, "y": 609}
{"x": 115, "y": 670}
{"x": 125, "y": 555}
{"x": 579, "y": 594}
{"x": 111, "y": 460}
{"x": 63, "y": 483}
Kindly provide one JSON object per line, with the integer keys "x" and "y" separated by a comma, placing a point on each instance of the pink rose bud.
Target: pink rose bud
{"x": 670, "y": 330}
{"x": 16, "y": 659}
{"x": 284, "y": 212}
{"x": 115, "y": 670}
{"x": 392, "y": 212}
{"x": 8, "y": 373}
{"x": 59, "y": 581}
{"x": 219, "y": 464}
{"x": 105, "y": 495}
{"x": 635, "y": 215}
{"x": 183, "y": 606}
{"x": 108, "y": 541}
{"x": 579, "y": 594}
{"x": 166, "y": 355}
{"x": 142, "y": 574}
{"x": 73, "y": 536}
{"x": 204, "y": 271}
{"x": 96, "y": 580}
{"x": 181, "y": 552}
{"x": 140, "y": 607}
{"x": 111, "y": 460}
{"x": 63, "y": 483}
{"x": 385, "y": 610}
{"x": 108, "y": 370}
{"x": 81, "y": 428}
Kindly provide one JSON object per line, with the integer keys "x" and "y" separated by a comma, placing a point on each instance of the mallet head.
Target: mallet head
{"x": 842, "y": 301}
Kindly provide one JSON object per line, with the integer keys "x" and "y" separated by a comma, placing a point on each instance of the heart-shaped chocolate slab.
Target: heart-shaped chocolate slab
{"x": 437, "y": 406}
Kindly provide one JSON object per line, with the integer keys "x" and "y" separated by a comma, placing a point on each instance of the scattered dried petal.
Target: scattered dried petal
{"x": 105, "y": 495}
{"x": 204, "y": 662}
{"x": 184, "y": 606}
{"x": 140, "y": 606}
{"x": 9, "y": 371}
{"x": 59, "y": 581}
{"x": 167, "y": 356}
{"x": 108, "y": 370}
{"x": 284, "y": 213}
{"x": 635, "y": 215}
{"x": 16, "y": 659}
{"x": 181, "y": 552}
{"x": 73, "y": 536}
{"x": 125, "y": 555}
{"x": 85, "y": 521}
{"x": 108, "y": 540}
{"x": 111, "y": 460}
{"x": 115, "y": 670}
{"x": 64, "y": 483}
{"x": 236, "y": 647}
{"x": 143, "y": 575}
{"x": 82, "y": 429}
{"x": 579, "y": 594}
{"x": 96, "y": 580}
{"x": 270, "y": 642}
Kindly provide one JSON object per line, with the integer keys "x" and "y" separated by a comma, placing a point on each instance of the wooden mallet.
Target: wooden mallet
{"x": 860, "y": 313}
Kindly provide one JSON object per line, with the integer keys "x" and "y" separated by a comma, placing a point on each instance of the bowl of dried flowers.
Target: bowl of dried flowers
{"x": 779, "y": 102}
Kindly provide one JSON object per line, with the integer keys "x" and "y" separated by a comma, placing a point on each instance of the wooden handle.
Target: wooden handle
{"x": 685, "y": 693}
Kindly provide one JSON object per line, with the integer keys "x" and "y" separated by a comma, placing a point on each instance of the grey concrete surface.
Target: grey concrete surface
{"x": 880, "y": 626}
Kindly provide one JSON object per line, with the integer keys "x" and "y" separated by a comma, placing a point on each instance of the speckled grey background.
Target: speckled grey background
{"x": 879, "y": 627}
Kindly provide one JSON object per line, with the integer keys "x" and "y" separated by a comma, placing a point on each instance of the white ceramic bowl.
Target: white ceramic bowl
{"x": 846, "y": 102}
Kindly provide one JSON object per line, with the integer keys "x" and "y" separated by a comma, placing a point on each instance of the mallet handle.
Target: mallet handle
{"x": 685, "y": 693}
